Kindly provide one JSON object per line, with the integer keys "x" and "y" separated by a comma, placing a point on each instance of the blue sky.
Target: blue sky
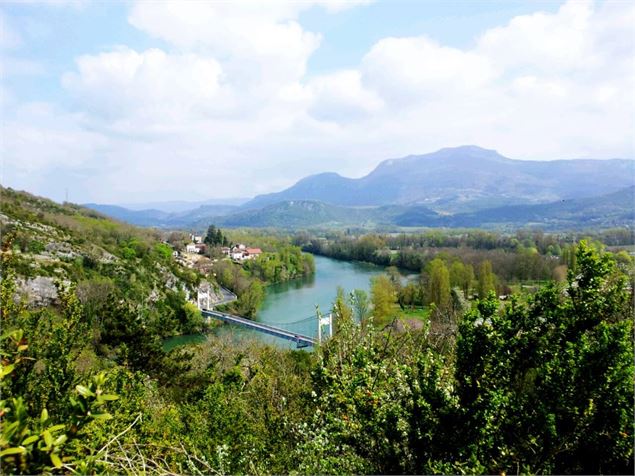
{"x": 138, "y": 101}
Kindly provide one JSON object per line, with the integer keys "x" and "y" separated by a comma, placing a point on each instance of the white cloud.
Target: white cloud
{"x": 224, "y": 105}
{"x": 148, "y": 85}
{"x": 342, "y": 97}
{"x": 257, "y": 43}
{"x": 403, "y": 68}
{"x": 39, "y": 137}
{"x": 543, "y": 41}
{"x": 542, "y": 86}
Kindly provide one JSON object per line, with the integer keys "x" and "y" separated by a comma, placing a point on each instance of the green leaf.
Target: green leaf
{"x": 10, "y": 429}
{"x": 60, "y": 440}
{"x": 30, "y": 439}
{"x": 109, "y": 397}
{"x": 84, "y": 391}
{"x": 12, "y": 451}
{"x": 102, "y": 416}
{"x": 6, "y": 370}
{"x": 48, "y": 438}
{"x": 44, "y": 416}
{"x": 55, "y": 428}
{"x": 57, "y": 462}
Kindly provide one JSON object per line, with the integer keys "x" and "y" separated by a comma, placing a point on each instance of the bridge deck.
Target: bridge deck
{"x": 301, "y": 340}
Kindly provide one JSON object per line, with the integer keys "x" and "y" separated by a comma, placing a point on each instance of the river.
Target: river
{"x": 295, "y": 300}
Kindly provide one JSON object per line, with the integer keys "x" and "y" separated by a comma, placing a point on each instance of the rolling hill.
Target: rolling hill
{"x": 455, "y": 187}
{"x": 162, "y": 219}
{"x": 462, "y": 179}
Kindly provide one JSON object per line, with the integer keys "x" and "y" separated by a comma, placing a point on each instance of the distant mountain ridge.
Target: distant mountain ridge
{"x": 464, "y": 186}
{"x": 180, "y": 206}
{"x": 160, "y": 218}
{"x": 459, "y": 179}
{"x": 607, "y": 211}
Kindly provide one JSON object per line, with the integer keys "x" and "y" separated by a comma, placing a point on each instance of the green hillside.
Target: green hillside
{"x": 52, "y": 245}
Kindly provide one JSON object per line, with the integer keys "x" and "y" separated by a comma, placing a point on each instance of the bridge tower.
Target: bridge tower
{"x": 325, "y": 321}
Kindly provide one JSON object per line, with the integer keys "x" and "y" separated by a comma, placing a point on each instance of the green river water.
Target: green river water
{"x": 296, "y": 300}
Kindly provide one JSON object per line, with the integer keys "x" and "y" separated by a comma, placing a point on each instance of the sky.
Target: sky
{"x": 136, "y": 101}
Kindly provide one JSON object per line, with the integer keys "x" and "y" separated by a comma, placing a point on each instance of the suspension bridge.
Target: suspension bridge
{"x": 294, "y": 331}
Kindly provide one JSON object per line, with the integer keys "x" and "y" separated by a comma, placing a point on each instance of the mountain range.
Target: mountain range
{"x": 462, "y": 178}
{"x": 454, "y": 187}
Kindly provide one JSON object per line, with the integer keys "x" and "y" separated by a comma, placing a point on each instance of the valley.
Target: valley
{"x": 462, "y": 187}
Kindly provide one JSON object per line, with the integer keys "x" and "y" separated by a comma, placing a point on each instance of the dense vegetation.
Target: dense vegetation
{"x": 522, "y": 256}
{"x": 539, "y": 383}
{"x": 106, "y": 261}
{"x": 280, "y": 261}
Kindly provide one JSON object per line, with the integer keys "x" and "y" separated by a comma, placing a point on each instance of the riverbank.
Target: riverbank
{"x": 292, "y": 304}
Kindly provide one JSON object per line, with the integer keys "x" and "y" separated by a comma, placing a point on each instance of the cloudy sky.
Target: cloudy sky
{"x": 140, "y": 101}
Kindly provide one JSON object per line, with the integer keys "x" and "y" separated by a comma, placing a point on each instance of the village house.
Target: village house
{"x": 191, "y": 248}
{"x": 241, "y": 252}
{"x": 252, "y": 253}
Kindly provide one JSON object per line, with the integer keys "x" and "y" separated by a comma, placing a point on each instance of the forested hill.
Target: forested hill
{"x": 462, "y": 179}
{"x": 51, "y": 243}
{"x": 615, "y": 209}
{"x": 454, "y": 187}
{"x": 606, "y": 211}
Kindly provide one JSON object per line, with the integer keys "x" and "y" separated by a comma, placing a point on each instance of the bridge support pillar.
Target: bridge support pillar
{"x": 325, "y": 321}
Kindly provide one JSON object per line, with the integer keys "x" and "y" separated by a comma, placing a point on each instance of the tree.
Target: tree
{"x": 409, "y": 295}
{"x": 251, "y": 298}
{"x": 342, "y": 311}
{"x": 215, "y": 237}
{"x": 383, "y": 296}
{"x": 461, "y": 276}
{"x": 547, "y": 386}
{"x": 210, "y": 237}
{"x": 438, "y": 285}
{"x": 486, "y": 279}
{"x": 359, "y": 301}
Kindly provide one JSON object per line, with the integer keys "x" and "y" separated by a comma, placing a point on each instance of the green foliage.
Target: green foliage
{"x": 341, "y": 310}
{"x": 360, "y": 303}
{"x": 486, "y": 279}
{"x": 250, "y": 299}
{"x": 287, "y": 262}
{"x": 558, "y": 402}
{"x": 376, "y": 406}
{"x": 438, "y": 285}
{"x": 215, "y": 237}
{"x": 383, "y": 296}
{"x": 33, "y": 445}
{"x": 461, "y": 276}
{"x": 163, "y": 251}
{"x": 537, "y": 384}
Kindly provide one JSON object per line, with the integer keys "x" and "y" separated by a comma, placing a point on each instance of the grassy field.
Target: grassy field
{"x": 405, "y": 315}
